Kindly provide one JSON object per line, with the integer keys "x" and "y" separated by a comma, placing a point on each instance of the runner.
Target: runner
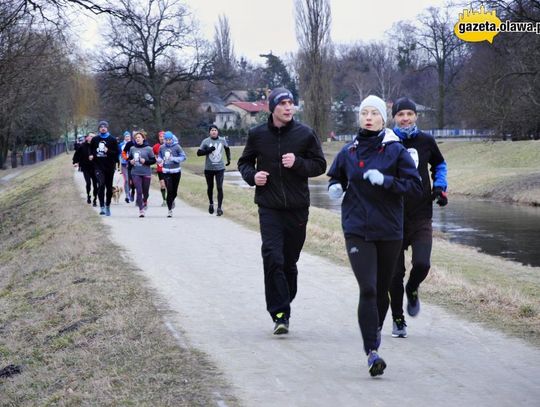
{"x": 375, "y": 171}
{"x": 212, "y": 147}
{"x": 124, "y": 166}
{"x": 105, "y": 157}
{"x": 278, "y": 158}
{"x": 159, "y": 168}
{"x": 170, "y": 157}
{"x": 82, "y": 160}
{"x": 141, "y": 157}
{"x": 417, "y": 229}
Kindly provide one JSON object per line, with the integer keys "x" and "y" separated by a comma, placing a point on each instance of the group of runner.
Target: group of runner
{"x": 99, "y": 156}
{"x": 383, "y": 176}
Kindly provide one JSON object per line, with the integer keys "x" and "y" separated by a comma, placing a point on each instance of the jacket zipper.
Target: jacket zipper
{"x": 280, "y": 174}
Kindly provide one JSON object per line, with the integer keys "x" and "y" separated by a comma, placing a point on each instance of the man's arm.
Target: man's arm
{"x": 313, "y": 163}
{"x": 246, "y": 162}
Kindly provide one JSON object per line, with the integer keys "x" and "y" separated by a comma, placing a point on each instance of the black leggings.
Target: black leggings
{"x": 171, "y": 182}
{"x": 210, "y": 174}
{"x": 105, "y": 181}
{"x": 91, "y": 181}
{"x": 421, "y": 255}
{"x": 373, "y": 264}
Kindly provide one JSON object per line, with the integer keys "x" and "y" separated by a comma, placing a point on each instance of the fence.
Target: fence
{"x": 37, "y": 153}
{"x": 448, "y": 134}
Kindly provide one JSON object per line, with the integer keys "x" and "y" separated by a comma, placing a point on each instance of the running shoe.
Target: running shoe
{"x": 399, "y": 328}
{"x": 102, "y": 210}
{"x": 169, "y": 215}
{"x": 108, "y": 211}
{"x": 219, "y": 211}
{"x": 376, "y": 364}
{"x": 413, "y": 302}
{"x": 141, "y": 213}
{"x": 281, "y": 324}
{"x": 211, "y": 209}
{"x": 127, "y": 199}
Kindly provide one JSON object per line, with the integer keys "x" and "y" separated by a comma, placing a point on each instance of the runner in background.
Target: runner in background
{"x": 170, "y": 156}
{"x": 213, "y": 148}
{"x": 159, "y": 168}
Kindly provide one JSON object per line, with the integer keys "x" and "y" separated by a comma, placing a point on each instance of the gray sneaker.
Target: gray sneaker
{"x": 107, "y": 211}
{"x": 399, "y": 328}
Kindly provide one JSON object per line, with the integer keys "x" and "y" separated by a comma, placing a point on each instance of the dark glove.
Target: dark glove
{"x": 228, "y": 162}
{"x": 439, "y": 196}
{"x": 210, "y": 149}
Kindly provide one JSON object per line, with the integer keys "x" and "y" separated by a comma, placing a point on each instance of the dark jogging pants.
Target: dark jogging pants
{"x": 91, "y": 182}
{"x": 171, "y": 182}
{"x": 283, "y": 233}
{"x": 373, "y": 264}
{"x": 219, "y": 175}
{"x": 105, "y": 180}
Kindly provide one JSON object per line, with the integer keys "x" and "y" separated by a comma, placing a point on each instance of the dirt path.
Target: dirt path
{"x": 209, "y": 271}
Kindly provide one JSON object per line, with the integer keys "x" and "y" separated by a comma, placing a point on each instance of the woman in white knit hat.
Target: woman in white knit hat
{"x": 374, "y": 171}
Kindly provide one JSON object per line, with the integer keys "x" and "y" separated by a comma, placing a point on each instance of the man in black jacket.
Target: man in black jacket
{"x": 81, "y": 158}
{"x": 278, "y": 158}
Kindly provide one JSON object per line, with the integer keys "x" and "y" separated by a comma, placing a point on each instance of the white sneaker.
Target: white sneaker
{"x": 169, "y": 215}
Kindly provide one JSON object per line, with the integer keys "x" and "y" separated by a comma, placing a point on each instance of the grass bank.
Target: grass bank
{"x": 482, "y": 288}
{"x": 78, "y": 326}
{"x": 504, "y": 170}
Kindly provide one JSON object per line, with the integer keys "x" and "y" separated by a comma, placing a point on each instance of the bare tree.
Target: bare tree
{"x": 439, "y": 49}
{"x": 223, "y": 59}
{"x": 313, "y": 23}
{"x": 155, "y": 46}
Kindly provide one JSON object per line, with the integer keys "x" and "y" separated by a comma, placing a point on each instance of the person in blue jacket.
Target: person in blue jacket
{"x": 374, "y": 171}
{"x": 417, "y": 229}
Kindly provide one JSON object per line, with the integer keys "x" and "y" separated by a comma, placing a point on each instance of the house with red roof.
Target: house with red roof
{"x": 249, "y": 111}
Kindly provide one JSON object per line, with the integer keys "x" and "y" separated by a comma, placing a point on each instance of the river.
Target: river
{"x": 499, "y": 229}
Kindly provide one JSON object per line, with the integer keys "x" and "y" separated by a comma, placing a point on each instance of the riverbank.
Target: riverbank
{"x": 503, "y": 170}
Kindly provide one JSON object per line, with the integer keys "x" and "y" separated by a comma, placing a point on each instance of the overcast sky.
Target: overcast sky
{"x": 261, "y": 26}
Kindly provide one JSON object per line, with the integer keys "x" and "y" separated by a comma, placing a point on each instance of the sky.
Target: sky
{"x": 261, "y": 26}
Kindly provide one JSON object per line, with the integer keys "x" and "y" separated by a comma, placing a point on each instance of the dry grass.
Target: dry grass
{"x": 504, "y": 171}
{"x": 76, "y": 316}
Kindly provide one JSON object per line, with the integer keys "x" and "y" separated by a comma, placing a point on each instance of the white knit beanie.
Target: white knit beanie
{"x": 377, "y": 103}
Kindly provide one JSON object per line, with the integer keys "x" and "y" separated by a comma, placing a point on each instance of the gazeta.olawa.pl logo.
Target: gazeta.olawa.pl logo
{"x": 477, "y": 26}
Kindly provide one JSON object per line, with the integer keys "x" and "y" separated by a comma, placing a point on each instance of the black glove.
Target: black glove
{"x": 439, "y": 196}
{"x": 210, "y": 149}
{"x": 228, "y": 162}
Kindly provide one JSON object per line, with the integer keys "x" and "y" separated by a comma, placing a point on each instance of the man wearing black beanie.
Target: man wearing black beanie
{"x": 278, "y": 158}
{"x": 104, "y": 155}
{"x": 417, "y": 229}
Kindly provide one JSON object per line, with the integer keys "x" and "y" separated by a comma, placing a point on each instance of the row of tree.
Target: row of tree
{"x": 155, "y": 69}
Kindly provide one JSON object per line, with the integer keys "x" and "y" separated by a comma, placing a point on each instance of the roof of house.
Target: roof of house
{"x": 241, "y": 95}
{"x": 214, "y": 107}
{"x": 251, "y": 107}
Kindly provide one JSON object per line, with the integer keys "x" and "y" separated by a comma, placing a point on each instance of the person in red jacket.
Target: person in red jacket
{"x": 159, "y": 168}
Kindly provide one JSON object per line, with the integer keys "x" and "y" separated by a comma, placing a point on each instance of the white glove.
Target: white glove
{"x": 335, "y": 191}
{"x": 375, "y": 177}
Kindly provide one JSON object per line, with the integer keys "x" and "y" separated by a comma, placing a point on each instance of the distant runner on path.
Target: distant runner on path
{"x": 105, "y": 157}
{"x": 81, "y": 157}
{"x": 278, "y": 158}
{"x": 213, "y": 148}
